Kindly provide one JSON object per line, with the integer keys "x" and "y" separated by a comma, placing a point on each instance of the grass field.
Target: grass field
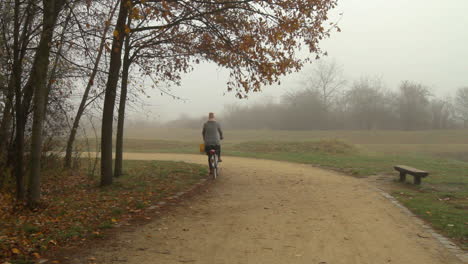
{"x": 442, "y": 200}
{"x": 356, "y": 137}
{"x": 446, "y": 143}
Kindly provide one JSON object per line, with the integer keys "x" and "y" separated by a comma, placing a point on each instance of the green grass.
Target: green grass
{"x": 445, "y": 211}
{"x": 327, "y": 146}
{"x": 354, "y": 137}
{"x": 22, "y": 261}
{"x": 443, "y": 171}
{"x": 28, "y": 228}
{"x": 439, "y": 143}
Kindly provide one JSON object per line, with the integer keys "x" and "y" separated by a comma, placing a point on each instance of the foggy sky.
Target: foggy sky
{"x": 418, "y": 40}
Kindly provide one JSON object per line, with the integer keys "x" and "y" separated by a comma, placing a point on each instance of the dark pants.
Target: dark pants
{"x": 217, "y": 148}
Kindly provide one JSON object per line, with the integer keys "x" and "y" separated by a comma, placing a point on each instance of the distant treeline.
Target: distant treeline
{"x": 327, "y": 102}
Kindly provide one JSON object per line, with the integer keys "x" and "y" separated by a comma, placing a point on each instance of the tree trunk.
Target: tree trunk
{"x": 84, "y": 99}
{"x": 6, "y": 121}
{"x": 5, "y": 126}
{"x": 21, "y": 112}
{"x": 110, "y": 95}
{"x": 123, "y": 100}
{"x": 39, "y": 74}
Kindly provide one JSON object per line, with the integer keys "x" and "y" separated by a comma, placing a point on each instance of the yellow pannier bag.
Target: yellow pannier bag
{"x": 202, "y": 148}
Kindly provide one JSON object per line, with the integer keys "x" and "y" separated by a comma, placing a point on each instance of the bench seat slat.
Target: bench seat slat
{"x": 410, "y": 170}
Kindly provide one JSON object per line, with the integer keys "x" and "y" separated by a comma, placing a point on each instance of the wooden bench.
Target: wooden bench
{"x": 418, "y": 174}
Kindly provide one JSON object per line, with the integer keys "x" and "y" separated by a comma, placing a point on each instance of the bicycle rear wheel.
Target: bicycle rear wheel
{"x": 214, "y": 165}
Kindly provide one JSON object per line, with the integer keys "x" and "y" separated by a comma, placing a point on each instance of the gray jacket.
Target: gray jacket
{"x": 212, "y": 133}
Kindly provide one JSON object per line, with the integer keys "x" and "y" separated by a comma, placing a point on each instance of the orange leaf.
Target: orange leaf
{"x": 36, "y": 255}
{"x": 15, "y": 251}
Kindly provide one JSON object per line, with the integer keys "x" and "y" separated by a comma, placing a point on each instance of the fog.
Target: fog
{"x": 422, "y": 41}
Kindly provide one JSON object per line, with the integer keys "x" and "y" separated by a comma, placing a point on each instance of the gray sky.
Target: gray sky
{"x": 419, "y": 40}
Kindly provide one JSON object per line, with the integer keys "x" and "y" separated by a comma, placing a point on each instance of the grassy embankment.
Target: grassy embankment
{"x": 75, "y": 210}
{"x": 442, "y": 199}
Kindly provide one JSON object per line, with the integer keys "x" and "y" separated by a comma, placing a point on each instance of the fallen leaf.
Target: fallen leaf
{"x": 36, "y": 255}
{"x": 15, "y": 251}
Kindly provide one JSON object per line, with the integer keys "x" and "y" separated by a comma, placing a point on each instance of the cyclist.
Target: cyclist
{"x": 212, "y": 135}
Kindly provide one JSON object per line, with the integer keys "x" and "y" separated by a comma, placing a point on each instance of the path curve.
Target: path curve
{"x": 262, "y": 211}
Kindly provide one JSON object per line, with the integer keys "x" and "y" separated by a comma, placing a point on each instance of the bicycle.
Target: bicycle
{"x": 213, "y": 162}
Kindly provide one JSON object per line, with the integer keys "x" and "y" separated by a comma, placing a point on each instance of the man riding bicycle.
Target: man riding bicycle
{"x": 212, "y": 135}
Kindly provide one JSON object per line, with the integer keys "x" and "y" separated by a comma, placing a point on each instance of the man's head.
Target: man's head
{"x": 211, "y": 116}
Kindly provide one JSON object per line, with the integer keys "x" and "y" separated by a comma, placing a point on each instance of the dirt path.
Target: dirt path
{"x": 276, "y": 212}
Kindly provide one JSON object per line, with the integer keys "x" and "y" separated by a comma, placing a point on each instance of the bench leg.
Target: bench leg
{"x": 417, "y": 180}
{"x": 402, "y": 177}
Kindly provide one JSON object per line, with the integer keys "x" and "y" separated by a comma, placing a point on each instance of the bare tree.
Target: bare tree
{"x": 110, "y": 95}
{"x": 327, "y": 78}
{"x": 366, "y": 103}
{"x": 413, "y": 103}
{"x": 18, "y": 18}
{"x": 304, "y": 110}
{"x": 461, "y": 105}
{"x": 51, "y": 11}
{"x": 90, "y": 83}
{"x": 123, "y": 101}
{"x": 441, "y": 113}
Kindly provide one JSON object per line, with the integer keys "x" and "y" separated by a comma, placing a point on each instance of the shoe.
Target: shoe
{"x": 220, "y": 160}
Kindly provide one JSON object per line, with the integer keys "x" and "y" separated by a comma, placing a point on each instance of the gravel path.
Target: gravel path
{"x": 271, "y": 212}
